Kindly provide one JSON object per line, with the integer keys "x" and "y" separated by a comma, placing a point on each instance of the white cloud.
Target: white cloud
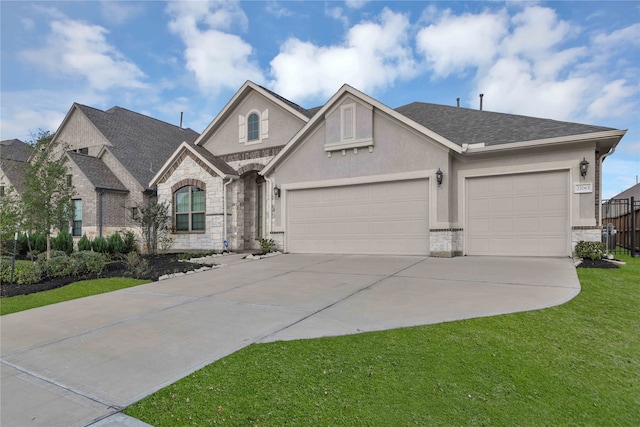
{"x": 356, "y": 4}
{"x": 373, "y": 56}
{"x": 616, "y": 99}
{"x": 119, "y": 12}
{"x": 276, "y": 9}
{"x": 28, "y": 24}
{"x": 77, "y": 49}
{"x": 217, "y": 58}
{"x": 456, "y": 43}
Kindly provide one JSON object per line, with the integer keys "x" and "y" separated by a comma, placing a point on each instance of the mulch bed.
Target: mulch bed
{"x": 601, "y": 263}
{"x": 159, "y": 265}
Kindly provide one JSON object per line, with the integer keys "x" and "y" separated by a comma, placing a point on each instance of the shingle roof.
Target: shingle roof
{"x": 15, "y": 172}
{"x": 629, "y": 192}
{"x": 141, "y": 143}
{"x": 14, "y": 149}
{"x": 100, "y": 176}
{"x": 214, "y": 160}
{"x": 308, "y": 113}
{"x": 467, "y": 126}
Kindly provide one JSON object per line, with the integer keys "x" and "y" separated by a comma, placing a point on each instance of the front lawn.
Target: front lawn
{"x": 576, "y": 364}
{"x": 75, "y": 290}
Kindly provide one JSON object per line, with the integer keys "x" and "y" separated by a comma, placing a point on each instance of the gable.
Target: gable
{"x": 80, "y": 133}
{"x": 273, "y": 128}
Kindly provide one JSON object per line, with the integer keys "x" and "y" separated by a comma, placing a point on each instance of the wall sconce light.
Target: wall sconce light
{"x": 584, "y": 166}
{"x": 276, "y": 192}
{"x": 439, "y": 175}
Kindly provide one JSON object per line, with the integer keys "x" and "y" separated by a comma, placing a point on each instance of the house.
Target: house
{"x": 13, "y": 156}
{"x": 113, "y": 155}
{"x": 358, "y": 177}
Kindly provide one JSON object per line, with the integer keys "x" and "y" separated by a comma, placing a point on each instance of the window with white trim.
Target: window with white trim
{"x": 253, "y": 127}
{"x": 189, "y": 205}
{"x": 76, "y": 227}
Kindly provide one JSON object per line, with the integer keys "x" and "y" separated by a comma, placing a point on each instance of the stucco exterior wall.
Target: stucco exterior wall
{"x": 282, "y": 126}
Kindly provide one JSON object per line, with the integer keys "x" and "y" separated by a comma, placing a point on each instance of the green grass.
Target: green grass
{"x": 80, "y": 289}
{"x": 576, "y": 364}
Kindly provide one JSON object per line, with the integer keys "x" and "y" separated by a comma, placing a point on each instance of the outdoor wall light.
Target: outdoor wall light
{"x": 276, "y": 192}
{"x": 584, "y": 166}
{"x": 439, "y": 175}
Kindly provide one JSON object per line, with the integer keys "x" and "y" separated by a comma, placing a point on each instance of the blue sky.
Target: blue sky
{"x": 573, "y": 61}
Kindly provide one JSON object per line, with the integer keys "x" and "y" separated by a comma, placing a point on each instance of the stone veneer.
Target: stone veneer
{"x": 588, "y": 234}
{"x": 445, "y": 242}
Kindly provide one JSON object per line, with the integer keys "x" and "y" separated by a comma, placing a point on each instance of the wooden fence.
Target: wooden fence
{"x": 624, "y": 215}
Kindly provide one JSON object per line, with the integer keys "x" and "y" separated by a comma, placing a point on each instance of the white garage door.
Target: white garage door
{"x": 518, "y": 215}
{"x": 379, "y": 218}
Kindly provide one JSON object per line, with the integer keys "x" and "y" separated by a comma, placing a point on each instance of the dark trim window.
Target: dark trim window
{"x": 1, "y": 190}
{"x": 253, "y": 127}
{"x": 189, "y": 205}
{"x": 76, "y": 228}
{"x": 134, "y": 213}
{"x": 69, "y": 180}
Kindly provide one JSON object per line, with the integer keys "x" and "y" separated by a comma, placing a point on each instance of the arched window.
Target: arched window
{"x": 189, "y": 205}
{"x": 253, "y": 127}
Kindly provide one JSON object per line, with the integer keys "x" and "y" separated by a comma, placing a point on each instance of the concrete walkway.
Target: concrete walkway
{"x": 80, "y": 362}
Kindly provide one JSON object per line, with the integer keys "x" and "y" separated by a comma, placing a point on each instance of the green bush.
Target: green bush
{"x": 267, "y": 245}
{"x": 116, "y": 245}
{"x": 88, "y": 262}
{"x": 63, "y": 242}
{"x": 100, "y": 244}
{"x": 38, "y": 242}
{"x": 590, "y": 250}
{"x": 25, "y": 272}
{"x": 84, "y": 244}
{"x": 137, "y": 266}
{"x": 60, "y": 266}
{"x": 129, "y": 242}
{"x": 42, "y": 257}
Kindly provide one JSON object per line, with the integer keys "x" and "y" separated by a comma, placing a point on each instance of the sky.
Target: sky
{"x": 564, "y": 60}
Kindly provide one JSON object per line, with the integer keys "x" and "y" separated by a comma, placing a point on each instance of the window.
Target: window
{"x": 134, "y": 213}
{"x": 253, "y": 127}
{"x": 69, "y": 180}
{"x": 1, "y": 190}
{"x": 189, "y": 208}
{"x": 76, "y": 228}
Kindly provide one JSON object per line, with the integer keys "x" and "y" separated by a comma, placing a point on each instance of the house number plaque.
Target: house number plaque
{"x": 585, "y": 187}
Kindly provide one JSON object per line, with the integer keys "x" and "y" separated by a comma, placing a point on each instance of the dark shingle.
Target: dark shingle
{"x": 15, "y": 171}
{"x": 141, "y": 143}
{"x": 467, "y": 126}
{"x": 304, "y": 111}
{"x": 214, "y": 160}
{"x": 100, "y": 176}
{"x": 14, "y": 149}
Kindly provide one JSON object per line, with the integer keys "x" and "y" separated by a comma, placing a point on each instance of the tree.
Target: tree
{"x": 10, "y": 219}
{"x": 47, "y": 194}
{"x": 153, "y": 220}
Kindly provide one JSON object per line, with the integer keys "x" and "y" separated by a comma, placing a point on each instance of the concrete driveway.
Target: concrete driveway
{"x": 78, "y": 362}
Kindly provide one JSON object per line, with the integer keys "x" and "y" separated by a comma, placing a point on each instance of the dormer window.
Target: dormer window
{"x": 253, "y": 127}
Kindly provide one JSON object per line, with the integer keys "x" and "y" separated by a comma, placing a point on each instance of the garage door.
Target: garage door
{"x": 380, "y": 218}
{"x": 518, "y": 215}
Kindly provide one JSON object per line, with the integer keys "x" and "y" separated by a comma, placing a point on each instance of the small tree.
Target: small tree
{"x": 153, "y": 220}
{"x": 10, "y": 219}
{"x": 47, "y": 196}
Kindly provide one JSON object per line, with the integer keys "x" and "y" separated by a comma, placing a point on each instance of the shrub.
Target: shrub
{"x": 267, "y": 245}
{"x": 38, "y": 242}
{"x": 88, "y": 262}
{"x": 100, "y": 244}
{"x": 129, "y": 242}
{"x": 590, "y": 250}
{"x": 42, "y": 257}
{"x": 116, "y": 245}
{"x": 60, "y": 266}
{"x": 63, "y": 242}
{"x": 137, "y": 266}
{"x": 84, "y": 244}
{"x": 25, "y": 272}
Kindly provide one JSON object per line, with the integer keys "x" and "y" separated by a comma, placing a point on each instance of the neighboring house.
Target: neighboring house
{"x": 13, "y": 156}
{"x": 358, "y": 177}
{"x": 113, "y": 155}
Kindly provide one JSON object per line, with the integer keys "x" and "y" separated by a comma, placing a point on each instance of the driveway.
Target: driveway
{"x": 78, "y": 362}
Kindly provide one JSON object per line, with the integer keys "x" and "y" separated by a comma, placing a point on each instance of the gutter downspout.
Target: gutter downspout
{"x": 224, "y": 215}
{"x": 100, "y": 214}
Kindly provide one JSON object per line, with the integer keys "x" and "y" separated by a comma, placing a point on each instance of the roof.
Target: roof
{"x": 468, "y": 126}
{"x": 97, "y": 172}
{"x": 629, "y": 192}
{"x": 15, "y": 171}
{"x": 214, "y": 160}
{"x": 14, "y": 149}
{"x": 140, "y": 143}
{"x": 293, "y": 105}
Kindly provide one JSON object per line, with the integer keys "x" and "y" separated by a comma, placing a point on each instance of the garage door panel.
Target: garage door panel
{"x": 529, "y": 216}
{"x": 378, "y": 218}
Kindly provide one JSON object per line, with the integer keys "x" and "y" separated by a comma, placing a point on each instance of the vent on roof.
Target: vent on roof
{"x": 481, "y": 96}
{"x": 458, "y": 102}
